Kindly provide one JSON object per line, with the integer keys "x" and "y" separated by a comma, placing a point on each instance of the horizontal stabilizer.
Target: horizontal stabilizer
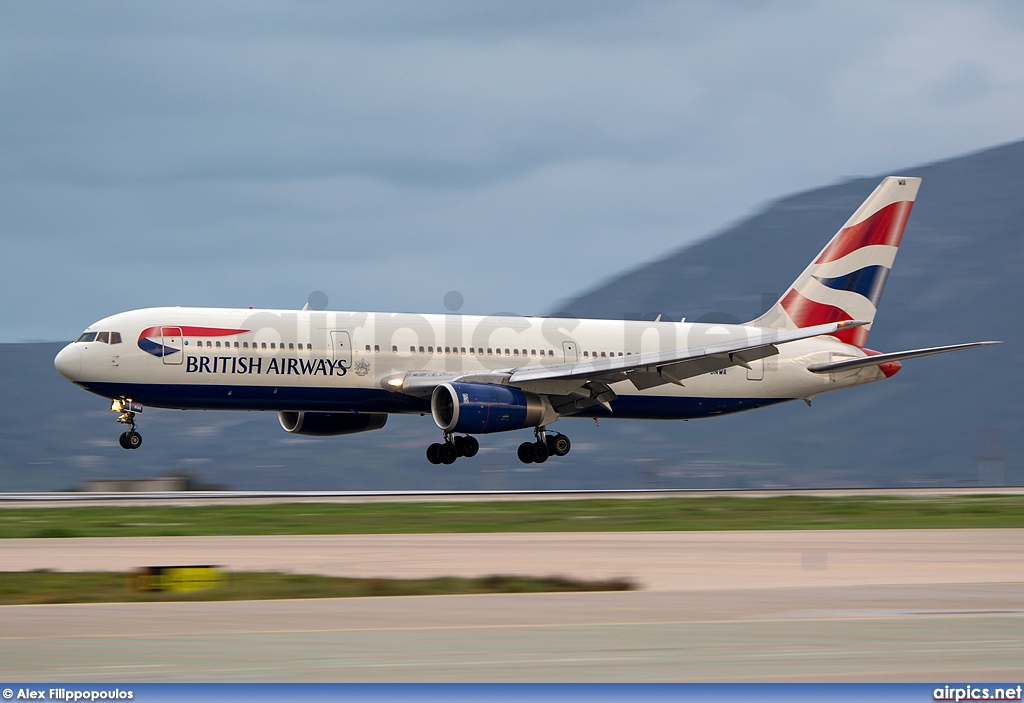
{"x": 851, "y": 364}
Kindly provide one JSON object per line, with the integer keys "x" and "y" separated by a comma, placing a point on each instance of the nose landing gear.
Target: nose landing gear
{"x": 130, "y": 439}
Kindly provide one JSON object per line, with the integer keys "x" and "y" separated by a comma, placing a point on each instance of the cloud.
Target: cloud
{"x": 242, "y": 153}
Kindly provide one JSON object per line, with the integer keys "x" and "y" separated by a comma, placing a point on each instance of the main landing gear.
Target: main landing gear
{"x": 537, "y": 452}
{"x": 131, "y": 439}
{"x": 452, "y": 448}
{"x": 545, "y": 445}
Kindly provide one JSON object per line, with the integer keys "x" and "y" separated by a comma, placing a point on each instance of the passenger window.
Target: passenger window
{"x": 447, "y": 350}
{"x": 209, "y": 344}
{"x": 218, "y": 345}
{"x": 533, "y": 352}
{"x": 551, "y": 352}
{"x": 273, "y": 345}
{"x": 291, "y": 345}
{"x": 480, "y": 351}
{"x": 236, "y": 345}
{"x": 463, "y": 350}
{"x": 489, "y": 351}
{"x": 309, "y": 346}
{"x": 516, "y": 352}
{"x": 376, "y": 347}
{"x": 367, "y": 347}
{"x": 115, "y": 337}
{"x": 542, "y": 352}
{"x": 508, "y": 353}
{"x": 394, "y": 348}
{"x": 430, "y": 350}
{"x": 245, "y": 345}
{"x": 263, "y": 345}
{"x": 603, "y": 355}
{"x": 421, "y": 350}
{"x": 586, "y": 355}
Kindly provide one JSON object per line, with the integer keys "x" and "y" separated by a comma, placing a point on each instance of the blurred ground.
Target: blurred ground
{"x": 864, "y": 605}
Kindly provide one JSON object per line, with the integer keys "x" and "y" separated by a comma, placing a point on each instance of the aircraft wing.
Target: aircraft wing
{"x": 851, "y": 364}
{"x": 645, "y": 370}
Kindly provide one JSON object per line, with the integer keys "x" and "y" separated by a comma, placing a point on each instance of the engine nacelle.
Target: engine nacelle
{"x": 330, "y": 424}
{"x": 480, "y": 408}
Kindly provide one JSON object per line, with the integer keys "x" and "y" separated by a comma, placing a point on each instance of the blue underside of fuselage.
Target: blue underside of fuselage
{"x": 368, "y": 400}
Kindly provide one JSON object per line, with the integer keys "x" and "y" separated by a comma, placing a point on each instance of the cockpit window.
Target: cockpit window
{"x": 115, "y": 337}
{"x": 87, "y": 337}
{"x": 103, "y": 337}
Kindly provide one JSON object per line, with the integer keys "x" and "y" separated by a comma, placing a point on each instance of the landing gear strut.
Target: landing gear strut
{"x": 130, "y": 439}
{"x": 545, "y": 445}
{"x": 452, "y": 448}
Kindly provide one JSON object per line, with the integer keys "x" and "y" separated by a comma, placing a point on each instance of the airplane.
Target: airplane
{"x": 336, "y": 373}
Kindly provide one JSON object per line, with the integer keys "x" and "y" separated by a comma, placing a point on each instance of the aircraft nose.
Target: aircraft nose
{"x": 68, "y": 362}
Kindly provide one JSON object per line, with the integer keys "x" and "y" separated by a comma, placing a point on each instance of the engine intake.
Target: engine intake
{"x": 481, "y": 408}
{"x": 330, "y": 424}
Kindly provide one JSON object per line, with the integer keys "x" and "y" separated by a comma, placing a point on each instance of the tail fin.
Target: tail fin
{"x": 845, "y": 281}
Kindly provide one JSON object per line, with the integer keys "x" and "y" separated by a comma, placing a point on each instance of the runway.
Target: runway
{"x": 908, "y": 633}
{"x": 662, "y": 561}
{"x": 189, "y": 498}
{"x": 871, "y": 605}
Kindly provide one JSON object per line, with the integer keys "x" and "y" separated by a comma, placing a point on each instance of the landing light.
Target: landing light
{"x": 396, "y": 382}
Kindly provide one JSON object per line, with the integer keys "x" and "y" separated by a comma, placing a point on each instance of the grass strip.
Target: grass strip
{"x": 34, "y": 587}
{"x": 585, "y": 515}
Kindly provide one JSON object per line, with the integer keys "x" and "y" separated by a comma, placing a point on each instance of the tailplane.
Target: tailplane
{"x": 845, "y": 281}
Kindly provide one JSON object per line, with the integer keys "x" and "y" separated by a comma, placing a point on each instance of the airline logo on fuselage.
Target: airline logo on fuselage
{"x": 151, "y": 340}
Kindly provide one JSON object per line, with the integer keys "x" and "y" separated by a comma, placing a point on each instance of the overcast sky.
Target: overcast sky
{"x": 248, "y": 153}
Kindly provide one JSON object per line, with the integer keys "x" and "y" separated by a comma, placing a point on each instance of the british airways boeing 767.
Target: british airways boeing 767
{"x": 335, "y": 373}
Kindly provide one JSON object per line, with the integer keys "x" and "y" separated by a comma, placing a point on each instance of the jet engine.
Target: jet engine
{"x": 330, "y": 424}
{"x": 480, "y": 408}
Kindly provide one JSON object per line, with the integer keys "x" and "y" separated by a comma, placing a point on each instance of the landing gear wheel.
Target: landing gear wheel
{"x": 559, "y": 444}
{"x": 460, "y": 445}
{"x": 434, "y": 453}
{"x": 470, "y": 446}
{"x": 447, "y": 453}
{"x": 132, "y": 440}
{"x": 123, "y": 440}
{"x": 526, "y": 452}
{"x": 540, "y": 452}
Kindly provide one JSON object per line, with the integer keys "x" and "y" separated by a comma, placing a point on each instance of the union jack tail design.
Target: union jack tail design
{"x": 845, "y": 281}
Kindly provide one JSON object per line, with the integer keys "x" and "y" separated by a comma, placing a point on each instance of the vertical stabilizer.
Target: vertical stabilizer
{"x": 845, "y": 281}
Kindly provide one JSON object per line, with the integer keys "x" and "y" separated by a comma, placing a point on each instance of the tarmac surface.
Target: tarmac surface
{"x": 857, "y": 605}
{"x": 662, "y": 561}
{"x": 180, "y": 498}
{"x": 940, "y": 634}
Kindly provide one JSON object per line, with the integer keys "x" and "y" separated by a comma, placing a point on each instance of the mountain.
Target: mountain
{"x": 957, "y": 278}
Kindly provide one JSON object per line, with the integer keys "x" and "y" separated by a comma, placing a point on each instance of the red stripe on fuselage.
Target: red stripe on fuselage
{"x": 192, "y": 331}
{"x": 884, "y": 227}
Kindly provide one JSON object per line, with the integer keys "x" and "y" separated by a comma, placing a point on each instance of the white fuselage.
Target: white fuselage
{"x": 246, "y": 359}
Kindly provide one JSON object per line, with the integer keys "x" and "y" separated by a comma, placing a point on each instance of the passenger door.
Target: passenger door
{"x": 341, "y": 347}
{"x": 173, "y": 345}
{"x": 571, "y": 351}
